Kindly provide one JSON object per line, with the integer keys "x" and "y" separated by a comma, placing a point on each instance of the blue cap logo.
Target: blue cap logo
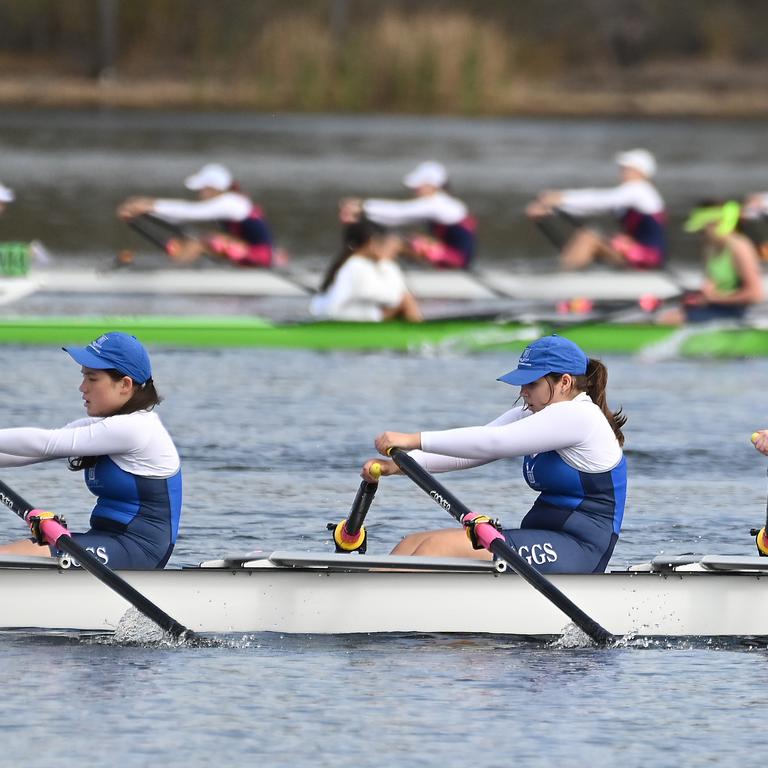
{"x": 550, "y": 354}
{"x": 117, "y": 350}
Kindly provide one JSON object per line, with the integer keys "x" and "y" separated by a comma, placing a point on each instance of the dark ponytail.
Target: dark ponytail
{"x": 594, "y": 382}
{"x": 354, "y": 237}
{"x": 144, "y": 398}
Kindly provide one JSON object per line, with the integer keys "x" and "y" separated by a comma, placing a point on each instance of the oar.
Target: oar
{"x": 490, "y": 537}
{"x": 761, "y": 537}
{"x": 548, "y": 227}
{"x": 58, "y": 536}
{"x": 147, "y": 226}
{"x": 350, "y": 534}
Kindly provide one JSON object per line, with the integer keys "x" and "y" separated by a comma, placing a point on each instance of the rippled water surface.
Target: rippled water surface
{"x": 272, "y": 443}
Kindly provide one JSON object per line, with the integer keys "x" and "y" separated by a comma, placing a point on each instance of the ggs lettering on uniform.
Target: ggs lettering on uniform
{"x": 538, "y": 554}
{"x": 68, "y": 561}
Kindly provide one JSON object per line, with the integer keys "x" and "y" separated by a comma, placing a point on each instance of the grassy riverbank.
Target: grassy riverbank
{"x": 427, "y": 58}
{"x": 525, "y": 98}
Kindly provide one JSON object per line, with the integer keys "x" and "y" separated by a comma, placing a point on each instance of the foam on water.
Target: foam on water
{"x": 136, "y": 629}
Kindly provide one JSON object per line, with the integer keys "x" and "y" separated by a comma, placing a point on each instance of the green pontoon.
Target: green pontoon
{"x": 445, "y": 334}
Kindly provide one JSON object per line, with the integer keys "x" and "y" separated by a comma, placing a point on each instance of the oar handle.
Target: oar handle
{"x": 362, "y": 502}
{"x": 493, "y": 540}
{"x": 761, "y": 534}
{"x": 350, "y": 535}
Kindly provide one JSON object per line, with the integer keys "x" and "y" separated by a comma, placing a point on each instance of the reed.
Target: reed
{"x": 471, "y": 57}
{"x": 411, "y": 62}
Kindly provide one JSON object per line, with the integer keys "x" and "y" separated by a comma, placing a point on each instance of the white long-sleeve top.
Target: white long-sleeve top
{"x": 361, "y": 290}
{"x": 637, "y": 194}
{"x": 137, "y": 443}
{"x": 440, "y": 207}
{"x": 577, "y": 429}
{"x": 229, "y": 206}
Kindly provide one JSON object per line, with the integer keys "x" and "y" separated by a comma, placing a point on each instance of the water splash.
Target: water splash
{"x": 135, "y": 629}
{"x": 573, "y": 637}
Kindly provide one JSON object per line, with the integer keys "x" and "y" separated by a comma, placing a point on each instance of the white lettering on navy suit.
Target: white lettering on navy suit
{"x": 538, "y": 554}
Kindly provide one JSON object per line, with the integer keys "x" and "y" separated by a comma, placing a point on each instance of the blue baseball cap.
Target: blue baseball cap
{"x": 549, "y": 354}
{"x": 117, "y": 350}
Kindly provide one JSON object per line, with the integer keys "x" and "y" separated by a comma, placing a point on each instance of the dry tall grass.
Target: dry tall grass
{"x": 407, "y": 56}
{"x": 420, "y": 62}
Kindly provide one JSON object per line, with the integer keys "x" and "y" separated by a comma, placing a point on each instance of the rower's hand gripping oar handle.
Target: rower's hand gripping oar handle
{"x": 491, "y": 538}
{"x": 45, "y": 525}
{"x": 350, "y": 535}
{"x": 761, "y": 537}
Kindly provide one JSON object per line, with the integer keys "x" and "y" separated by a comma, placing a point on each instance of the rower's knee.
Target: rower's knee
{"x": 408, "y": 544}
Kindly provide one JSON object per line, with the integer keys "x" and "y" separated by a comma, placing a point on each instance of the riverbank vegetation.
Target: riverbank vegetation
{"x": 474, "y": 57}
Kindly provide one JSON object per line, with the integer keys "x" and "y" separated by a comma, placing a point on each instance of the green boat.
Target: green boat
{"x": 434, "y": 335}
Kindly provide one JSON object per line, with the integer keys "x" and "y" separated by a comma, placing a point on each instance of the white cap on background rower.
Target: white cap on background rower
{"x": 428, "y": 173}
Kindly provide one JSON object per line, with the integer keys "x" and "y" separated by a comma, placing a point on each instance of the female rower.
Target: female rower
{"x": 246, "y": 239}
{"x": 572, "y": 448}
{"x": 451, "y": 240}
{"x": 129, "y": 460}
{"x": 733, "y": 279}
{"x": 364, "y": 283}
{"x": 642, "y": 241}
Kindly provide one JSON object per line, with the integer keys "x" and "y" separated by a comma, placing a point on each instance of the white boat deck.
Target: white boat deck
{"x": 463, "y": 286}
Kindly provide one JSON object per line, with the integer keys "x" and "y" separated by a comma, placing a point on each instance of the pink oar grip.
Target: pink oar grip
{"x": 485, "y": 532}
{"x": 52, "y": 530}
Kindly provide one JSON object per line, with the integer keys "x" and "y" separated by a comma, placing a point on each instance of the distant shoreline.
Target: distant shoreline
{"x": 539, "y": 100}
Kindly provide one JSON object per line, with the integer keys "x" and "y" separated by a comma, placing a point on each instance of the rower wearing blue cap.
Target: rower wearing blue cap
{"x": 571, "y": 444}
{"x": 129, "y": 460}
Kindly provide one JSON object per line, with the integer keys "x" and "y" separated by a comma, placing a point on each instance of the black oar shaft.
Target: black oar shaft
{"x": 350, "y": 535}
{"x": 499, "y": 547}
{"x": 122, "y": 587}
{"x": 93, "y": 565}
{"x": 14, "y": 502}
{"x": 360, "y": 506}
{"x": 147, "y": 226}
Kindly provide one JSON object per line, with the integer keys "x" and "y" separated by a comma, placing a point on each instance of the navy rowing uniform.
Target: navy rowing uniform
{"x": 571, "y": 457}
{"x": 136, "y": 519}
{"x": 574, "y": 524}
{"x": 132, "y": 467}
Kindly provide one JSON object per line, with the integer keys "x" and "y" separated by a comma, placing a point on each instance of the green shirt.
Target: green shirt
{"x": 721, "y": 270}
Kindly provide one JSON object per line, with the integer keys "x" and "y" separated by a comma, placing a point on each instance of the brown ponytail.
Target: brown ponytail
{"x": 594, "y": 383}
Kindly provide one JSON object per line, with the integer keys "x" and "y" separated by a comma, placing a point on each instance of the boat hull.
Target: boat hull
{"x": 276, "y": 595}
